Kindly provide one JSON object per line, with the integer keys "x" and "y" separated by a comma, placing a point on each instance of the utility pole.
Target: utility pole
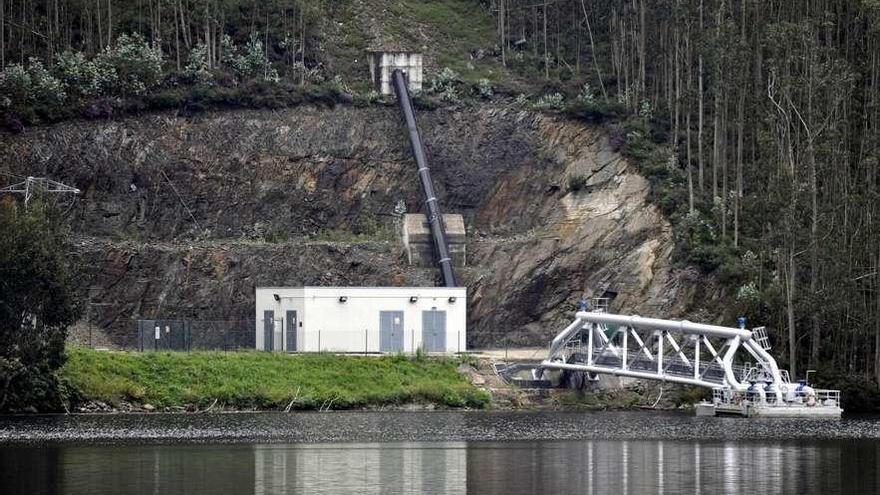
{"x": 33, "y": 185}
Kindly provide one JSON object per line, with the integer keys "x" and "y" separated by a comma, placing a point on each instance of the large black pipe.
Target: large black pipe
{"x": 435, "y": 218}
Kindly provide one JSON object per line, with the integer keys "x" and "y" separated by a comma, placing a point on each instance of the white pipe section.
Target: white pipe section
{"x": 683, "y": 326}
{"x": 771, "y": 363}
{"x": 561, "y": 339}
{"x": 728, "y": 364}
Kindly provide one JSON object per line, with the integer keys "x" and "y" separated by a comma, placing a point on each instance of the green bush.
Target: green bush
{"x": 131, "y": 67}
{"x": 15, "y": 84}
{"x": 198, "y": 70}
{"x": 81, "y": 77}
{"x": 31, "y": 85}
{"x": 554, "y": 101}
{"x": 595, "y": 111}
{"x": 484, "y": 88}
{"x": 248, "y": 62}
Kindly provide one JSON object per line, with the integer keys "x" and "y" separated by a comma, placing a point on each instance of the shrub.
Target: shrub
{"x": 249, "y": 63}
{"x": 484, "y": 88}
{"x": 553, "y": 101}
{"x": 305, "y": 74}
{"x": 80, "y": 77}
{"x": 585, "y": 95}
{"x": 576, "y": 182}
{"x": 46, "y": 89}
{"x": 197, "y": 70}
{"x": 445, "y": 82}
{"x": 132, "y": 67}
{"x": 15, "y": 84}
{"x": 596, "y": 111}
{"x": 366, "y": 99}
{"x": 31, "y": 85}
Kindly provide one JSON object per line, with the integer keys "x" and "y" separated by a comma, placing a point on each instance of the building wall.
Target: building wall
{"x": 382, "y": 64}
{"x": 354, "y": 326}
{"x": 291, "y": 298}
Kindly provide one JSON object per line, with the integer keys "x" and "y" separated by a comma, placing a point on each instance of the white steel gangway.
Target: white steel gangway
{"x": 734, "y": 362}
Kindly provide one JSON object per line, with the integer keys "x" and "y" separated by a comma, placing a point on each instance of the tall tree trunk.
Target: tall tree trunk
{"x": 2, "y": 34}
{"x": 593, "y": 51}
{"x": 737, "y": 198}
{"x": 546, "y": 54}
{"x": 109, "y": 22}
{"x": 700, "y": 112}
{"x": 302, "y": 29}
{"x": 643, "y": 28}
{"x": 815, "y": 335}
{"x": 791, "y": 274}
{"x": 877, "y": 317}
{"x": 501, "y": 20}
{"x": 688, "y": 77}
{"x": 99, "y": 23}
{"x": 177, "y": 34}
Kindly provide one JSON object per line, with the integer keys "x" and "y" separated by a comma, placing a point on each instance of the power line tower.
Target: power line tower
{"x": 33, "y": 185}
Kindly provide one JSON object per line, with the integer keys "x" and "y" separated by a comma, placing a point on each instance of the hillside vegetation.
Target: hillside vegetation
{"x": 756, "y": 122}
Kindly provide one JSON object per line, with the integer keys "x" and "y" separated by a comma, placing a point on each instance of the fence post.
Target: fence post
{"x": 459, "y": 341}
{"x": 412, "y": 340}
{"x": 319, "y": 341}
{"x": 366, "y": 341}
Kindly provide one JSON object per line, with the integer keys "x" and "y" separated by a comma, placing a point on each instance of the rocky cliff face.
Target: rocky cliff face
{"x": 181, "y": 216}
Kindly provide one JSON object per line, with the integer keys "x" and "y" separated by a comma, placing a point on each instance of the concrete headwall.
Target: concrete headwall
{"x": 419, "y": 244}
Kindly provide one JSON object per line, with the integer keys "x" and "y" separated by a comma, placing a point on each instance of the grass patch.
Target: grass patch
{"x": 456, "y": 27}
{"x": 265, "y": 380}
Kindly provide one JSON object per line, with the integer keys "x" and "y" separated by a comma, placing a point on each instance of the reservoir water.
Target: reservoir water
{"x": 441, "y": 452}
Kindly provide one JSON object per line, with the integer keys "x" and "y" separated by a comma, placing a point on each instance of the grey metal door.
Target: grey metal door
{"x": 290, "y": 328}
{"x": 434, "y": 331}
{"x": 390, "y": 331}
{"x": 268, "y": 330}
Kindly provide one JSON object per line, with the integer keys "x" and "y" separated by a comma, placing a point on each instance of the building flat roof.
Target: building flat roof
{"x": 335, "y": 287}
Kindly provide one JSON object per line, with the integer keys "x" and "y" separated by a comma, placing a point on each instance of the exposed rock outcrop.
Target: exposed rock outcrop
{"x": 184, "y": 215}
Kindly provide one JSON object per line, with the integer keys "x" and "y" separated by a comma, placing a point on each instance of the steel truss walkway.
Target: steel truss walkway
{"x": 666, "y": 350}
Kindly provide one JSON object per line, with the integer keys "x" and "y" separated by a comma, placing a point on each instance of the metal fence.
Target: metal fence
{"x": 190, "y": 335}
{"x": 176, "y": 334}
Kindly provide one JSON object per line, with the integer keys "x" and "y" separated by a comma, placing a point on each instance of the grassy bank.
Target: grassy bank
{"x": 249, "y": 380}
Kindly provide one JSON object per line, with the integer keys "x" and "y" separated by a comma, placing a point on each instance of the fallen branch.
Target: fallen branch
{"x": 211, "y": 406}
{"x": 290, "y": 405}
{"x": 658, "y": 398}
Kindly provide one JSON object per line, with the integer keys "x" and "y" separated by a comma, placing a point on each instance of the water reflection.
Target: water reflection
{"x": 361, "y": 468}
{"x": 582, "y": 466}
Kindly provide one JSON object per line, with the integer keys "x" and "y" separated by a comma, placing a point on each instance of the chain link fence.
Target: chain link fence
{"x": 241, "y": 335}
{"x": 195, "y": 335}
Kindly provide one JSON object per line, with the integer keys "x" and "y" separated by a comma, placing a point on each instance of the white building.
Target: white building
{"x": 361, "y": 319}
{"x": 384, "y": 62}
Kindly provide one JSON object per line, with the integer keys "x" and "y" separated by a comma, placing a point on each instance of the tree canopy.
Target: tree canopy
{"x": 37, "y": 304}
